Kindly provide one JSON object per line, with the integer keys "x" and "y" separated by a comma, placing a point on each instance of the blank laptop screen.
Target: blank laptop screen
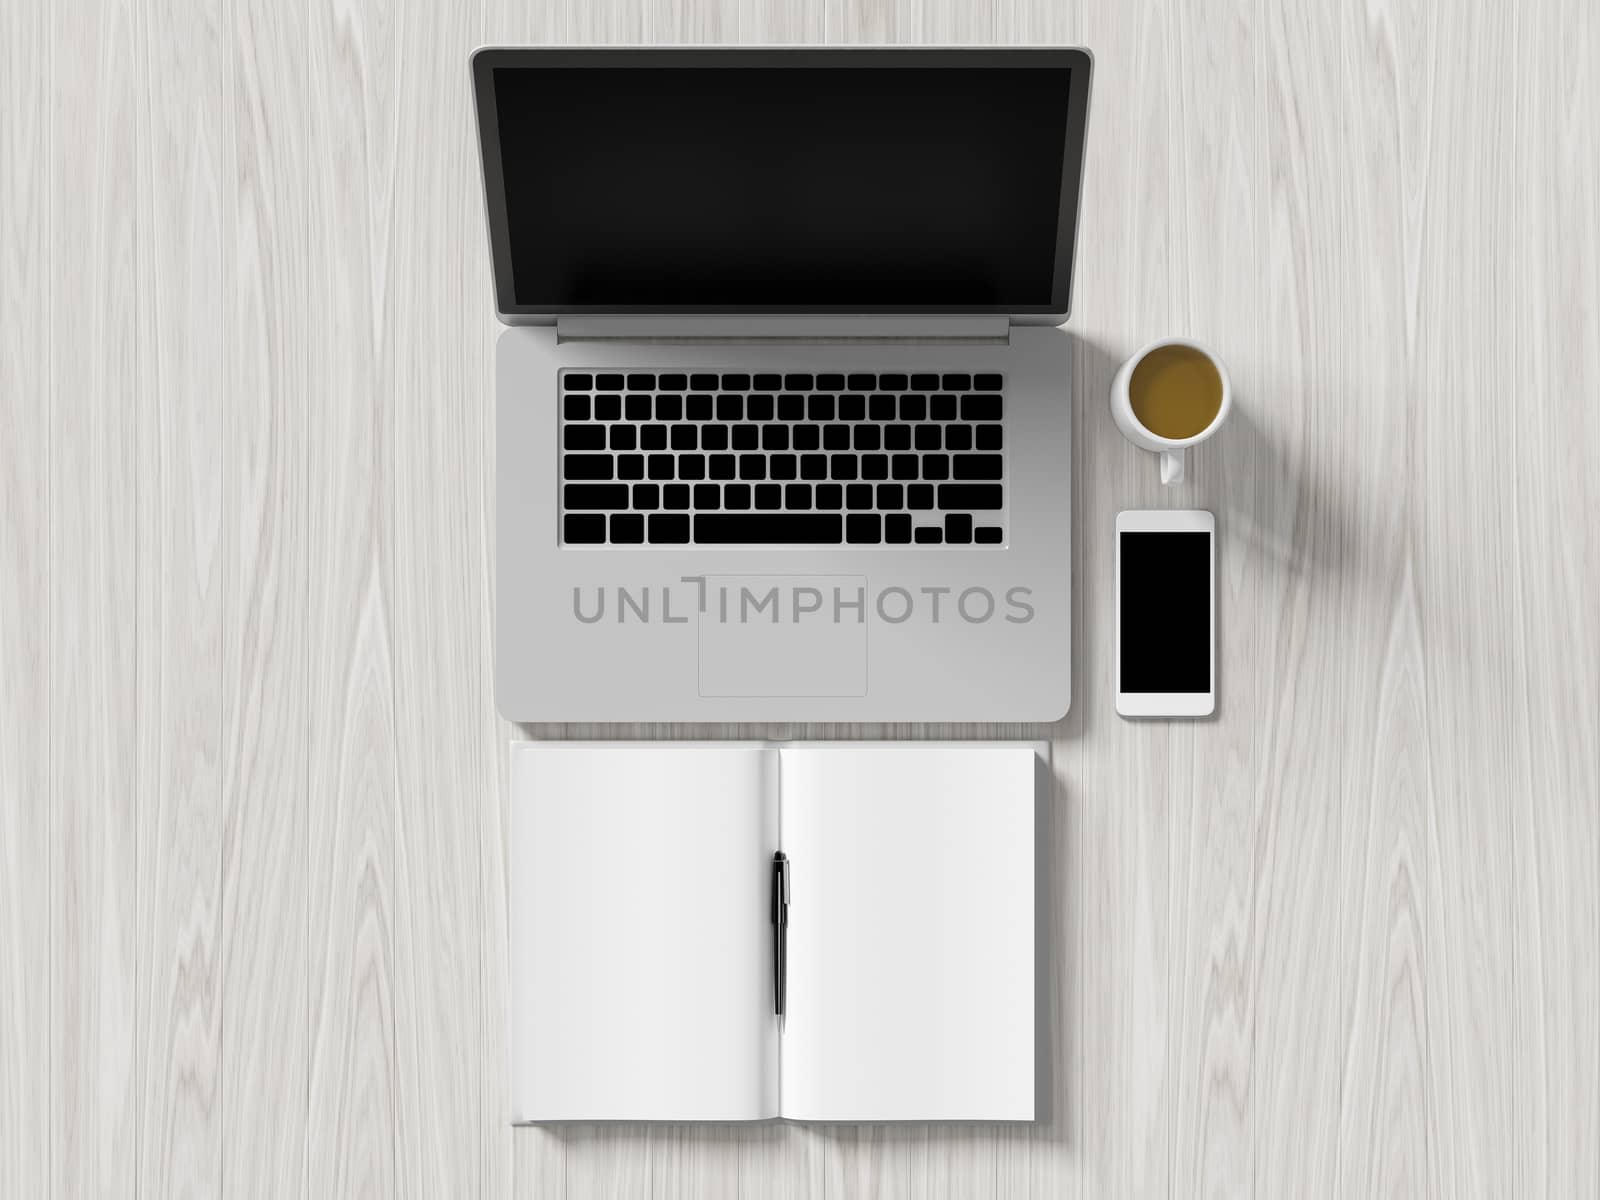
{"x": 786, "y": 188}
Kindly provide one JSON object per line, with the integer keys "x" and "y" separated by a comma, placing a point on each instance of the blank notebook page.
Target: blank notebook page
{"x": 911, "y": 947}
{"x": 641, "y": 942}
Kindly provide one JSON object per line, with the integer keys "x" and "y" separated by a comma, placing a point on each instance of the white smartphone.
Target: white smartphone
{"x": 1166, "y": 613}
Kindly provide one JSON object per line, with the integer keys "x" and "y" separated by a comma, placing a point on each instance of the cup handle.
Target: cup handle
{"x": 1172, "y": 466}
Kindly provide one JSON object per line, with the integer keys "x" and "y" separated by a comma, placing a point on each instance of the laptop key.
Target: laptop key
{"x": 929, "y": 535}
{"x": 752, "y": 466}
{"x": 976, "y": 466}
{"x": 874, "y": 466}
{"x": 575, "y": 408}
{"x": 987, "y": 383}
{"x": 836, "y": 437}
{"x": 775, "y": 437}
{"x": 797, "y": 496}
{"x": 987, "y": 437}
{"x": 675, "y": 495}
{"x": 842, "y": 466}
{"x": 769, "y": 496}
{"x": 925, "y": 383}
{"x": 584, "y": 437}
{"x": 903, "y": 466}
{"x": 652, "y": 437}
{"x": 624, "y": 437}
{"x": 987, "y": 535}
{"x": 758, "y": 406}
{"x": 669, "y": 407}
{"x": 942, "y": 406}
{"x": 577, "y": 382}
{"x": 661, "y": 466}
{"x": 829, "y": 495}
{"x": 830, "y": 383}
{"x": 891, "y": 495}
{"x": 897, "y": 528}
{"x": 767, "y": 527}
{"x": 820, "y": 407}
{"x": 936, "y": 467}
{"x": 813, "y": 466}
{"x": 736, "y": 382}
{"x": 630, "y": 466}
{"x": 893, "y": 383}
{"x": 913, "y": 406}
{"x": 852, "y": 407}
{"x": 627, "y": 529}
{"x": 697, "y": 406}
{"x": 897, "y": 437}
{"x": 691, "y": 466}
{"x": 863, "y": 528}
{"x": 806, "y": 437}
{"x": 683, "y": 437}
{"x": 608, "y": 382}
{"x": 862, "y": 383}
{"x": 868, "y": 437}
{"x": 736, "y": 495}
{"x": 971, "y": 497}
{"x": 767, "y": 383}
{"x": 722, "y": 466}
{"x": 957, "y": 383}
{"x": 703, "y": 382}
{"x": 647, "y": 496}
{"x": 595, "y": 495}
{"x": 746, "y": 437}
{"x": 791, "y": 407}
{"x": 797, "y": 383}
{"x": 639, "y": 382}
{"x": 713, "y": 437}
{"x": 958, "y": 528}
{"x": 586, "y": 466}
{"x": 858, "y": 496}
{"x": 637, "y": 407}
{"x": 584, "y": 529}
{"x": 926, "y": 437}
{"x": 730, "y": 408}
{"x": 708, "y": 495}
{"x": 608, "y": 407}
{"x": 881, "y": 407}
{"x": 919, "y": 496}
{"x": 958, "y": 437}
{"x": 669, "y": 529}
{"x": 782, "y": 466}
{"x": 981, "y": 406}
{"x": 673, "y": 383}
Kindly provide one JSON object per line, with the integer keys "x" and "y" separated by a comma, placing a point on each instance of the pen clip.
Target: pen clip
{"x": 780, "y": 888}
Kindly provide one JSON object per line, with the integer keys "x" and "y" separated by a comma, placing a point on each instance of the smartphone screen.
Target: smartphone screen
{"x": 1166, "y": 610}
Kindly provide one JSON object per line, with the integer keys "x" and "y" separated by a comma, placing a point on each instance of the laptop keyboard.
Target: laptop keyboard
{"x": 729, "y": 458}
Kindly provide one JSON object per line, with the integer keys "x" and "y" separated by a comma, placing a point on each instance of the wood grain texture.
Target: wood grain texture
{"x": 265, "y": 728}
{"x": 28, "y": 878}
{"x": 97, "y": 786}
{"x": 253, "y": 792}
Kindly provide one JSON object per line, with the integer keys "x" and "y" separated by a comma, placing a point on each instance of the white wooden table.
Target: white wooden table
{"x": 1341, "y": 940}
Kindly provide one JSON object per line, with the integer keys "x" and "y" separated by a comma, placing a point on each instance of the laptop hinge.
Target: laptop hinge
{"x": 785, "y": 328}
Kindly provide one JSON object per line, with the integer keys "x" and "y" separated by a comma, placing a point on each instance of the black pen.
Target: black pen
{"x": 780, "y": 932}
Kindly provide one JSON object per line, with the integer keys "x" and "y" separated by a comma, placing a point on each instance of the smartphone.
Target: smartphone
{"x": 1166, "y": 613}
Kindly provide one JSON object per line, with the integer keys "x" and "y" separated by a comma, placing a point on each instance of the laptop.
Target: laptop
{"x": 784, "y": 413}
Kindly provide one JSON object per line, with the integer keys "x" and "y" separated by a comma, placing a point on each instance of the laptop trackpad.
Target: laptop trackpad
{"x": 784, "y": 635}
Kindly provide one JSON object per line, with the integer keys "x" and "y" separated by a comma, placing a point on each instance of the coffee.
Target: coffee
{"x": 1175, "y": 392}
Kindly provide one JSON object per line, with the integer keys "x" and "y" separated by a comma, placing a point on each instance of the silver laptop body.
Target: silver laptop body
{"x": 780, "y": 511}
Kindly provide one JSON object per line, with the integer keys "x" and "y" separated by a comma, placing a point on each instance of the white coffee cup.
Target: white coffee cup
{"x": 1171, "y": 450}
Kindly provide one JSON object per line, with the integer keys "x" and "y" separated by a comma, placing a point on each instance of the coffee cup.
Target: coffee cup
{"x": 1173, "y": 394}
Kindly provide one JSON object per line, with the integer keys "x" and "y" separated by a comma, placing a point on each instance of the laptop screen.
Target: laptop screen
{"x": 772, "y": 181}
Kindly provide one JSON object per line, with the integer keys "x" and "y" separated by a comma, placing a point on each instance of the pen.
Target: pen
{"x": 780, "y": 932}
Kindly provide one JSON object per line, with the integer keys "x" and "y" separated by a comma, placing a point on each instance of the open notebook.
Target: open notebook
{"x": 642, "y": 941}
